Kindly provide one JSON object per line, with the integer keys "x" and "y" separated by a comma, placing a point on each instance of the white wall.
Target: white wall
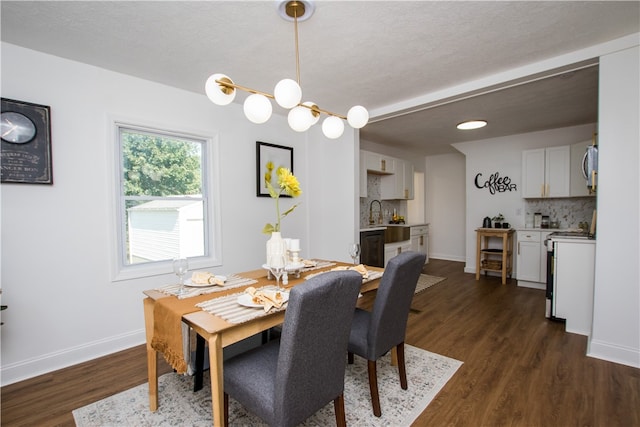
{"x": 616, "y": 312}
{"x": 333, "y": 210}
{"x": 446, "y": 206}
{"x": 504, "y": 155}
{"x": 63, "y": 308}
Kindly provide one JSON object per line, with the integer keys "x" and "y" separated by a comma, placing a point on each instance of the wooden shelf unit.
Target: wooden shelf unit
{"x": 494, "y": 259}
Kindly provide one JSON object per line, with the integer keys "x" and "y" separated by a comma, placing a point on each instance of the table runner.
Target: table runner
{"x": 228, "y": 308}
{"x": 167, "y": 327}
{"x": 371, "y": 275}
{"x": 319, "y": 264}
{"x": 233, "y": 281}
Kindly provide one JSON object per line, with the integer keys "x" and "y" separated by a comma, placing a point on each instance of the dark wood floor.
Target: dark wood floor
{"x": 519, "y": 368}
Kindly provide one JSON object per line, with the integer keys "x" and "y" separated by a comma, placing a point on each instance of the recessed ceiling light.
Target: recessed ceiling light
{"x": 471, "y": 124}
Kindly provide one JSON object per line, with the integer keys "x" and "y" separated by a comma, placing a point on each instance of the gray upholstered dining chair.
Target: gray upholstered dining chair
{"x": 286, "y": 381}
{"x": 374, "y": 333}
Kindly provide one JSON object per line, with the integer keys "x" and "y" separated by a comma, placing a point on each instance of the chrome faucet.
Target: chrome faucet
{"x": 371, "y": 221}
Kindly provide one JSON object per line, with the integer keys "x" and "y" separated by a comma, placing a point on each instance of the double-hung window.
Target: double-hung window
{"x": 164, "y": 200}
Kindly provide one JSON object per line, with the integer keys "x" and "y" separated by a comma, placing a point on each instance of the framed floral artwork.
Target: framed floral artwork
{"x": 279, "y": 155}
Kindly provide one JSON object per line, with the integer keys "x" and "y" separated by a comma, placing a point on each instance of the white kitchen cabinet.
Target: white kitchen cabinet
{"x": 393, "y": 249}
{"x": 408, "y": 190}
{"x": 420, "y": 240}
{"x": 528, "y": 256}
{"x": 379, "y": 164}
{"x": 531, "y": 258}
{"x": 398, "y": 186}
{"x": 573, "y": 284}
{"x": 546, "y": 172}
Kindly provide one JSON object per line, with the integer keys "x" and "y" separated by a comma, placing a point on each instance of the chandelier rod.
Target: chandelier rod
{"x": 314, "y": 108}
{"x": 295, "y": 26}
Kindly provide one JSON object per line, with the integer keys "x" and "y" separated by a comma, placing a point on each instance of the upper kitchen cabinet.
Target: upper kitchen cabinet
{"x": 398, "y": 186}
{"x": 379, "y": 164}
{"x": 546, "y": 172}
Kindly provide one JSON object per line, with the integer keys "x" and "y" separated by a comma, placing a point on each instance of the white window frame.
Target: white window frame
{"x": 211, "y": 196}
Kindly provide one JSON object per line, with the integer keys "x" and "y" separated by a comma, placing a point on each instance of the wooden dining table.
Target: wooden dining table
{"x": 220, "y": 333}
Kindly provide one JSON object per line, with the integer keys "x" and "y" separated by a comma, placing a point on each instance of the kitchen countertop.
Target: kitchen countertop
{"x": 551, "y": 230}
{"x": 590, "y": 240}
{"x": 383, "y": 226}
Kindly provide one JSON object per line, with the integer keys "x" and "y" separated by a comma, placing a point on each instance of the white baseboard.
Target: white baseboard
{"x": 33, "y": 367}
{"x": 614, "y": 353}
{"x": 532, "y": 285}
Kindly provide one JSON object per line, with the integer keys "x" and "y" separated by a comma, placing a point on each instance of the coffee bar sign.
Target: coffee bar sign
{"x": 495, "y": 183}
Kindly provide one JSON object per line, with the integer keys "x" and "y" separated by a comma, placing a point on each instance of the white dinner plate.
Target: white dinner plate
{"x": 247, "y": 300}
{"x": 204, "y": 285}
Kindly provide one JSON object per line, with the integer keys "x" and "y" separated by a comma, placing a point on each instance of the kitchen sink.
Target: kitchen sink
{"x": 397, "y": 234}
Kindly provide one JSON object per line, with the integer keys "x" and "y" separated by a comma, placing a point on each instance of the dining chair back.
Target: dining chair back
{"x": 287, "y": 380}
{"x": 376, "y": 332}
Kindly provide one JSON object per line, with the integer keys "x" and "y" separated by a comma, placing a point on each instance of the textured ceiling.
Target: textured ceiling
{"x": 373, "y": 53}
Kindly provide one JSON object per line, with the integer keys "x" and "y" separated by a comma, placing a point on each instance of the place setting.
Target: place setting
{"x": 240, "y": 307}
{"x": 201, "y": 282}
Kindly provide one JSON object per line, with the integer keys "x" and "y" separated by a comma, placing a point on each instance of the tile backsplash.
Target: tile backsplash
{"x": 373, "y": 193}
{"x": 568, "y": 212}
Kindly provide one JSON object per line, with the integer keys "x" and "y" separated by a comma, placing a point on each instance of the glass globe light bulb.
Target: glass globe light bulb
{"x": 287, "y": 93}
{"x": 332, "y": 127}
{"x": 257, "y": 108}
{"x": 358, "y": 117}
{"x": 216, "y": 93}
{"x": 299, "y": 119}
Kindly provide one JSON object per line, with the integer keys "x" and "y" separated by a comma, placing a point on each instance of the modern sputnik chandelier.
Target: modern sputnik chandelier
{"x": 221, "y": 90}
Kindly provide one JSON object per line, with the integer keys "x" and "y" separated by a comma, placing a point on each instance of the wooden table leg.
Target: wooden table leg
{"x": 478, "y": 247}
{"x": 504, "y": 258}
{"x": 152, "y": 355}
{"x": 217, "y": 379}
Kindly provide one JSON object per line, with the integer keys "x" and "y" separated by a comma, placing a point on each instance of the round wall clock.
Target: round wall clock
{"x": 25, "y": 142}
{"x": 16, "y": 127}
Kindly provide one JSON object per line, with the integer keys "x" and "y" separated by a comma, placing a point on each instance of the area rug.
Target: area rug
{"x": 426, "y": 281}
{"x": 427, "y": 373}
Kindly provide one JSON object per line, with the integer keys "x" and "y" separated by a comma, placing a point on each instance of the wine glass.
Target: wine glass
{"x": 354, "y": 251}
{"x": 180, "y": 267}
{"x": 277, "y": 265}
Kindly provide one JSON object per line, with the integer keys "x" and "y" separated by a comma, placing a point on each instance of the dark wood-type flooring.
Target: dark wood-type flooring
{"x": 519, "y": 368}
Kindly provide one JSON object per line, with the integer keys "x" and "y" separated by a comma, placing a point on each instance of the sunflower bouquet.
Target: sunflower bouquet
{"x": 287, "y": 184}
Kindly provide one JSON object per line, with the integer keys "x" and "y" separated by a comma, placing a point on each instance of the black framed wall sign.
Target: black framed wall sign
{"x": 279, "y": 155}
{"x": 25, "y": 153}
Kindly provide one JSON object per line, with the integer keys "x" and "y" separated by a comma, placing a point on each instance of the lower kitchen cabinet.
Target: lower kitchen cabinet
{"x": 531, "y": 258}
{"x": 393, "y": 249}
{"x": 372, "y": 248}
{"x": 420, "y": 240}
